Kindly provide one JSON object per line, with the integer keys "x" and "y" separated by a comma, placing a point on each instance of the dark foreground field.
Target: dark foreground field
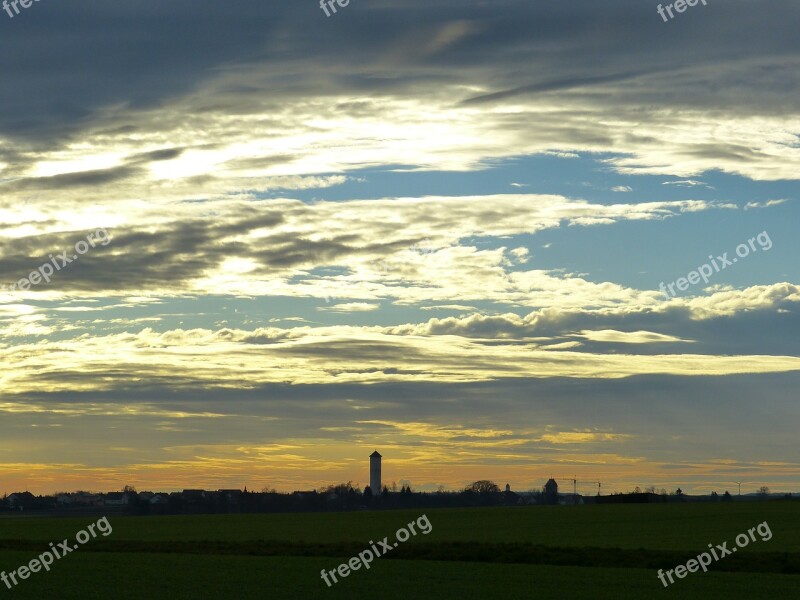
{"x": 588, "y": 551}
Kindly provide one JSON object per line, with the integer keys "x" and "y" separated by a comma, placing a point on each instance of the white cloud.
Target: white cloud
{"x": 687, "y": 183}
{"x": 629, "y": 337}
{"x": 352, "y": 307}
{"x": 767, "y": 204}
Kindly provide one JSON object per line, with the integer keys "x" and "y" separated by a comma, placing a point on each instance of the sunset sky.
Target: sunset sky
{"x": 434, "y": 228}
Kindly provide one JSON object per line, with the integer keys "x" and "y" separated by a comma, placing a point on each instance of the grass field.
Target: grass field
{"x": 547, "y": 552}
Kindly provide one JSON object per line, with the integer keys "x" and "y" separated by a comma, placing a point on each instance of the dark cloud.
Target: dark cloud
{"x": 551, "y": 86}
{"x": 157, "y": 155}
{"x": 69, "y": 65}
{"x": 669, "y": 416}
{"x": 96, "y": 177}
{"x": 754, "y": 330}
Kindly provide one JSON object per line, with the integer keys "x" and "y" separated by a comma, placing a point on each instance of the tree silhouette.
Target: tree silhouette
{"x": 484, "y": 486}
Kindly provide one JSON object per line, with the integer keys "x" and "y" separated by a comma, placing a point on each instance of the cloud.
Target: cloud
{"x": 687, "y": 183}
{"x": 236, "y": 165}
{"x": 581, "y": 437}
{"x": 629, "y": 337}
{"x": 338, "y": 354}
{"x": 460, "y": 307}
{"x": 276, "y": 247}
{"x": 263, "y": 97}
{"x": 751, "y": 320}
{"x": 352, "y": 307}
{"x": 767, "y": 204}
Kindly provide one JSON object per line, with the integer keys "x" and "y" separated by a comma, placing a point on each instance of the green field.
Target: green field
{"x": 547, "y": 552}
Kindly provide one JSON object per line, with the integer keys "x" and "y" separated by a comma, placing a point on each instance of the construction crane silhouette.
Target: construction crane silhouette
{"x": 574, "y": 480}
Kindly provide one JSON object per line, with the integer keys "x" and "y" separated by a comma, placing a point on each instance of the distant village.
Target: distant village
{"x": 344, "y": 496}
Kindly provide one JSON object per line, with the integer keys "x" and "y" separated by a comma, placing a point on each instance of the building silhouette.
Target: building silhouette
{"x": 551, "y": 491}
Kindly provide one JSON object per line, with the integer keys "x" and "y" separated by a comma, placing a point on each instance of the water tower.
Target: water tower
{"x": 375, "y": 473}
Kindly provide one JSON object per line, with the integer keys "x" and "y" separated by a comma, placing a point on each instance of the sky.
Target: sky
{"x": 247, "y": 244}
